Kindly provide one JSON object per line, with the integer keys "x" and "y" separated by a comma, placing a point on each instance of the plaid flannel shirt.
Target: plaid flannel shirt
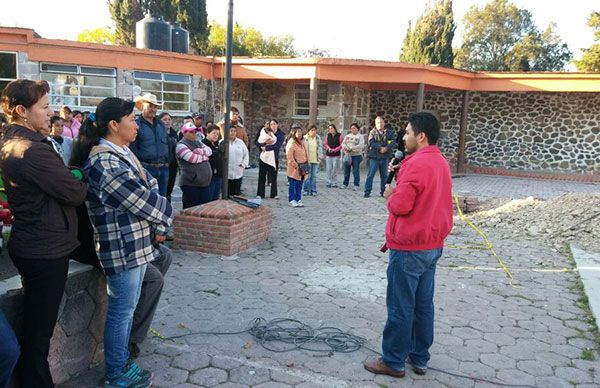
{"x": 126, "y": 211}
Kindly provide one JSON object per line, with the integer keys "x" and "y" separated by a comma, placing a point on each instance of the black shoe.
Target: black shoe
{"x": 134, "y": 350}
{"x": 367, "y": 194}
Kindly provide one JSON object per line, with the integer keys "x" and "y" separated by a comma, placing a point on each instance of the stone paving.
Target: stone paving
{"x": 322, "y": 266}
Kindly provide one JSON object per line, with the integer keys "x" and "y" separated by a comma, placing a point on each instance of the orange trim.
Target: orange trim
{"x": 374, "y": 75}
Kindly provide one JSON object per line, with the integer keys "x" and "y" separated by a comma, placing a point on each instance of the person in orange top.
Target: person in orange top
{"x": 297, "y": 154}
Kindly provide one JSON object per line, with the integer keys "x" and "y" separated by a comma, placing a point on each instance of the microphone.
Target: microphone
{"x": 398, "y": 156}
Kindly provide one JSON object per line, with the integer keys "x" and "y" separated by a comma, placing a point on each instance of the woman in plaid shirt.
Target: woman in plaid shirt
{"x": 129, "y": 219}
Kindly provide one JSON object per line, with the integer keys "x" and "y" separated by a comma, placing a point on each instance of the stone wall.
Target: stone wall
{"x": 77, "y": 342}
{"x": 545, "y": 132}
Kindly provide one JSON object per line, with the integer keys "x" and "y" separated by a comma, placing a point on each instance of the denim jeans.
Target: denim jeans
{"x": 374, "y": 165}
{"x": 408, "y": 331}
{"x": 310, "y": 184}
{"x": 215, "y": 187}
{"x": 332, "y": 165}
{"x": 162, "y": 176}
{"x": 294, "y": 190}
{"x": 123, "y": 294}
{"x": 355, "y": 167}
{"x": 9, "y": 351}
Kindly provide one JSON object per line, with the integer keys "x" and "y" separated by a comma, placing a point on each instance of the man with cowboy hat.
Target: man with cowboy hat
{"x": 151, "y": 145}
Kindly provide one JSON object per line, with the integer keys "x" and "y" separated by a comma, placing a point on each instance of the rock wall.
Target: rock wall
{"x": 546, "y": 132}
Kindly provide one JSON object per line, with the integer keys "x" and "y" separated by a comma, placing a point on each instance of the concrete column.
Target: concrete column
{"x": 312, "y": 104}
{"x": 462, "y": 135}
{"x": 420, "y": 96}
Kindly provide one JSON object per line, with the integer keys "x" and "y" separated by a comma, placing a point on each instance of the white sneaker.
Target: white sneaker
{"x": 293, "y": 204}
{"x": 299, "y": 204}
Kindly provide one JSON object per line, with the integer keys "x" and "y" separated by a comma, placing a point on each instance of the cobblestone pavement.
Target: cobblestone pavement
{"x": 322, "y": 266}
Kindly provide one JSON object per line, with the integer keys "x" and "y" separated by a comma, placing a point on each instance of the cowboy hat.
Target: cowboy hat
{"x": 146, "y": 97}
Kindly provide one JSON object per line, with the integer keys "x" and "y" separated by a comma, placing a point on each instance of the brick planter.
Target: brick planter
{"x": 222, "y": 227}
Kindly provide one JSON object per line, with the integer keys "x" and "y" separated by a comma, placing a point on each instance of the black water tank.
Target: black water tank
{"x": 152, "y": 32}
{"x": 180, "y": 39}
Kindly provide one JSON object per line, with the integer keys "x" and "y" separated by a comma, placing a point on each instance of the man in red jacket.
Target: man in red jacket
{"x": 420, "y": 218}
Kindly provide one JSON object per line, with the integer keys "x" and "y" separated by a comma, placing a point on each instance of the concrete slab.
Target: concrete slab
{"x": 588, "y": 266}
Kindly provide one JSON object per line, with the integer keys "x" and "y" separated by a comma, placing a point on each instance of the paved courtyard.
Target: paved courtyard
{"x": 322, "y": 267}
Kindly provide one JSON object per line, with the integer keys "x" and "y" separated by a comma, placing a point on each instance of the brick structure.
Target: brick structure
{"x": 222, "y": 227}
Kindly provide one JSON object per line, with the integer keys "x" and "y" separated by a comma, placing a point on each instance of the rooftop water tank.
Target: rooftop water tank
{"x": 180, "y": 39}
{"x": 152, "y": 32}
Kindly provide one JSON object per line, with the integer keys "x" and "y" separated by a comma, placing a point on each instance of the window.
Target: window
{"x": 302, "y": 97}
{"x": 78, "y": 86}
{"x": 8, "y": 68}
{"x": 172, "y": 90}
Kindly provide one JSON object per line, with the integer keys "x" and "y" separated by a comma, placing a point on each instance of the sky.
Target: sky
{"x": 359, "y": 29}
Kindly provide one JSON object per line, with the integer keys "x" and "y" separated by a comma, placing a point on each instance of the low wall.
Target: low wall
{"x": 77, "y": 340}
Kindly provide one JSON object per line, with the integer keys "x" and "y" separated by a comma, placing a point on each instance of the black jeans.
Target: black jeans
{"x": 194, "y": 195}
{"x": 44, "y": 284}
{"x": 172, "y": 177}
{"x": 265, "y": 170}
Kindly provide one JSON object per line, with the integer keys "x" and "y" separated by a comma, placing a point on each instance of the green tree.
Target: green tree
{"x": 125, "y": 13}
{"x": 503, "y": 37}
{"x": 590, "y": 60}
{"x": 98, "y": 35}
{"x": 430, "y": 41}
{"x": 191, "y": 14}
{"x": 248, "y": 42}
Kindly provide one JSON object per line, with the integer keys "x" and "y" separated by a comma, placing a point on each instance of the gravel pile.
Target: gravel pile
{"x": 573, "y": 218}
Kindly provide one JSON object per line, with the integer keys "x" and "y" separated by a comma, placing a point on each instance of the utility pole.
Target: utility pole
{"x": 226, "y": 122}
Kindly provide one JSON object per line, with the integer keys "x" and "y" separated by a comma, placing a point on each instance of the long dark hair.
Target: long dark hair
{"x": 95, "y": 127}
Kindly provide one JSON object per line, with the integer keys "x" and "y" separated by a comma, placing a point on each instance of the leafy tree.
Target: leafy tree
{"x": 502, "y": 37}
{"x": 97, "y": 35}
{"x": 248, "y": 42}
{"x": 125, "y": 13}
{"x": 590, "y": 60}
{"x": 430, "y": 41}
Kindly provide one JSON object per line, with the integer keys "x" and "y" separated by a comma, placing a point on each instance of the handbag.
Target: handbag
{"x": 347, "y": 159}
{"x": 304, "y": 168}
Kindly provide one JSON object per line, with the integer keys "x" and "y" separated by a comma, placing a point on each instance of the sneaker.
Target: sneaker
{"x": 275, "y": 197}
{"x": 293, "y": 204}
{"x": 355, "y": 188}
{"x": 367, "y": 194}
{"x": 299, "y": 204}
{"x": 314, "y": 193}
{"x": 306, "y": 193}
{"x": 132, "y": 377}
{"x": 345, "y": 186}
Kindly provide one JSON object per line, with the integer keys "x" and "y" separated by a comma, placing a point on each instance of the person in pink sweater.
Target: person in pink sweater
{"x": 420, "y": 218}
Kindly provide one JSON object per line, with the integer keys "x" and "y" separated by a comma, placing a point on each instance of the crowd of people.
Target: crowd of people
{"x": 97, "y": 187}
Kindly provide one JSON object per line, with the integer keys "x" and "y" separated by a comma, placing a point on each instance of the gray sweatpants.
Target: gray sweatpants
{"x": 150, "y": 296}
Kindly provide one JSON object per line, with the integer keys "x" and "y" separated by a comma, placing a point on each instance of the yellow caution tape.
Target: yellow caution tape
{"x": 485, "y": 245}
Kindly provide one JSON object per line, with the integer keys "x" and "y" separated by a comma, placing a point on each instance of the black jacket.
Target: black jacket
{"x": 42, "y": 194}
{"x": 216, "y": 159}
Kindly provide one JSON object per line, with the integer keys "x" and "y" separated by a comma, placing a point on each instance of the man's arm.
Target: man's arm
{"x": 402, "y": 200}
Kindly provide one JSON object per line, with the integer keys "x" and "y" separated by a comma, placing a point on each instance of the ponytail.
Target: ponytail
{"x": 95, "y": 127}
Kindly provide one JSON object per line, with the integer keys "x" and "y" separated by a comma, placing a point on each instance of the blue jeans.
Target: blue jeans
{"x": 123, "y": 294}
{"x": 355, "y": 167}
{"x": 408, "y": 330}
{"x": 162, "y": 176}
{"x": 215, "y": 187}
{"x": 194, "y": 195}
{"x": 9, "y": 351}
{"x": 310, "y": 185}
{"x": 374, "y": 165}
{"x": 294, "y": 190}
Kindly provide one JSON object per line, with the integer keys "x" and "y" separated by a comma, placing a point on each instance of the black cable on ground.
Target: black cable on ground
{"x": 292, "y": 334}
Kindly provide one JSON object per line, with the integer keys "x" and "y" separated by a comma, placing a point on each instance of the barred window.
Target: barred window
{"x": 8, "y": 68}
{"x": 78, "y": 86}
{"x": 302, "y": 98}
{"x": 172, "y": 90}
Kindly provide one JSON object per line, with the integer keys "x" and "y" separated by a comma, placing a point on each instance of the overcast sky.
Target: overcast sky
{"x": 371, "y": 29}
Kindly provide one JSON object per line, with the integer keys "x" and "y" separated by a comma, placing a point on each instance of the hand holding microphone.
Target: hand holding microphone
{"x": 398, "y": 156}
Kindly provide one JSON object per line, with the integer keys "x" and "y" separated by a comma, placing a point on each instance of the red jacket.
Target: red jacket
{"x": 421, "y": 205}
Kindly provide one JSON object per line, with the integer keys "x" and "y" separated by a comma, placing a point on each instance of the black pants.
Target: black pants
{"x": 234, "y": 186}
{"x": 266, "y": 170}
{"x": 172, "y": 177}
{"x": 44, "y": 284}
